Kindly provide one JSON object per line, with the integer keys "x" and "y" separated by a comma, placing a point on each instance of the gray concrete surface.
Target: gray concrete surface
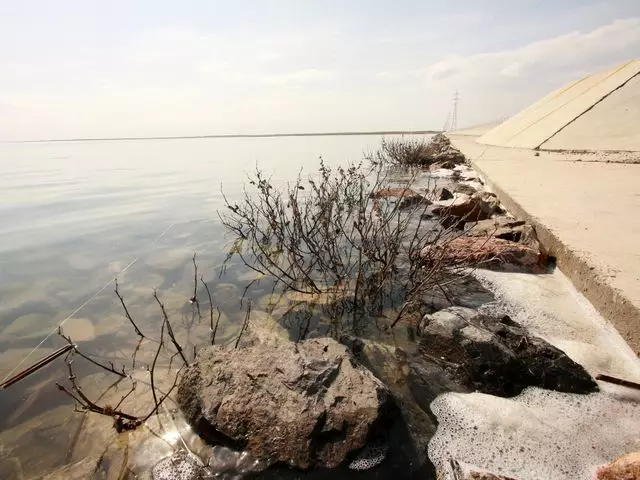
{"x": 586, "y": 214}
{"x": 552, "y": 115}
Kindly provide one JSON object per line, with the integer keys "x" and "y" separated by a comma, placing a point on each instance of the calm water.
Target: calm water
{"x": 74, "y": 215}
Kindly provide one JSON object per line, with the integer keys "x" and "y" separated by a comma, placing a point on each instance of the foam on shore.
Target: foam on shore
{"x": 543, "y": 434}
{"x": 551, "y": 308}
{"x": 539, "y": 434}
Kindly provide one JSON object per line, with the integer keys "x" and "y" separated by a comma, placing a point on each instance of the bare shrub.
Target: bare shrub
{"x": 408, "y": 152}
{"x": 336, "y": 242}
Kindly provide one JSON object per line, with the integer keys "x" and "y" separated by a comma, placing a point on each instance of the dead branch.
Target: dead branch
{"x": 194, "y": 298}
{"x": 169, "y": 329}
{"x": 212, "y": 329}
{"x": 244, "y": 324}
{"x": 126, "y": 312}
{"x": 122, "y": 421}
{"x": 618, "y": 381}
{"x": 109, "y": 368}
{"x": 36, "y": 366}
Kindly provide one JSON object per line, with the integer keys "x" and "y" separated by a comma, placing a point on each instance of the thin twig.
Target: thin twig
{"x": 169, "y": 329}
{"x": 194, "y": 298}
{"x": 245, "y": 323}
{"x": 126, "y": 312}
{"x": 109, "y": 368}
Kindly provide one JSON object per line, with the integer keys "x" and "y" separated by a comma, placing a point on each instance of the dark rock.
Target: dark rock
{"x": 442, "y": 193}
{"x": 463, "y": 350}
{"x": 490, "y": 253}
{"x": 305, "y": 404}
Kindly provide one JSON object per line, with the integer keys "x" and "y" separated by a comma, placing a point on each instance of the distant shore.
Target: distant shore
{"x": 233, "y": 135}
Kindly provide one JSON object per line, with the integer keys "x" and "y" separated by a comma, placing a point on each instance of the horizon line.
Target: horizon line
{"x": 231, "y": 135}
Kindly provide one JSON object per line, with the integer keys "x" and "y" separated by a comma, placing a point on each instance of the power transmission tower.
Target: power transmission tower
{"x": 451, "y": 123}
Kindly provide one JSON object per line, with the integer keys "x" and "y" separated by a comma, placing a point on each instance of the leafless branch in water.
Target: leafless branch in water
{"x": 244, "y": 324}
{"x": 109, "y": 368}
{"x": 122, "y": 420}
{"x": 169, "y": 329}
{"x": 126, "y": 312}
{"x": 194, "y": 298}
{"x": 212, "y": 329}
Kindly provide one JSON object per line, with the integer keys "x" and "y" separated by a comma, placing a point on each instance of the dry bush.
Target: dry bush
{"x": 337, "y": 243}
{"x": 408, "y": 152}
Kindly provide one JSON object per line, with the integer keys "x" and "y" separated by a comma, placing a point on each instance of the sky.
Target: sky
{"x": 85, "y": 68}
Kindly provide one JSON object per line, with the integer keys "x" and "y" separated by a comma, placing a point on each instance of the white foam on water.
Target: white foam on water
{"x": 539, "y": 434}
{"x": 551, "y": 308}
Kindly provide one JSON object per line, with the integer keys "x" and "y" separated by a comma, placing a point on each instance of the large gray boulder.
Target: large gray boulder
{"x": 305, "y": 404}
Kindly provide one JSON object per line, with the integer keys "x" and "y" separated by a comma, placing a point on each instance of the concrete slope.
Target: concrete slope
{"x": 537, "y": 124}
{"x": 613, "y": 124}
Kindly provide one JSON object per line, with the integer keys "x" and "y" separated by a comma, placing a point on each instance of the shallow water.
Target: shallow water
{"x": 75, "y": 215}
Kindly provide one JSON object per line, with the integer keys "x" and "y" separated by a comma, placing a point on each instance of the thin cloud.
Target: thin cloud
{"x": 575, "y": 51}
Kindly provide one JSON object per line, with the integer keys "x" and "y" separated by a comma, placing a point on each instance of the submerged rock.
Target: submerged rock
{"x": 305, "y": 404}
{"x": 463, "y": 350}
{"x": 480, "y": 252}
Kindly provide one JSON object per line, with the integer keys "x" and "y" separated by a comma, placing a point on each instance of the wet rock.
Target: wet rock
{"x": 471, "y": 208}
{"x": 304, "y": 404}
{"x": 463, "y": 350}
{"x": 390, "y": 364}
{"x": 490, "y": 253}
{"x": 626, "y": 467}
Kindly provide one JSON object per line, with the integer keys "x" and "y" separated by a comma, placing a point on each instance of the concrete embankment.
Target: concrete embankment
{"x": 584, "y": 202}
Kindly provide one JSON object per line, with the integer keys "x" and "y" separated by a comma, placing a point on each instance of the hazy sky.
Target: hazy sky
{"x": 85, "y": 68}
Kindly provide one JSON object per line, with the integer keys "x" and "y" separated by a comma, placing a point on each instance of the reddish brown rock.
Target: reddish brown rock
{"x": 491, "y": 253}
{"x": 626, "y": 467}
{"x": 479, "y": 206}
